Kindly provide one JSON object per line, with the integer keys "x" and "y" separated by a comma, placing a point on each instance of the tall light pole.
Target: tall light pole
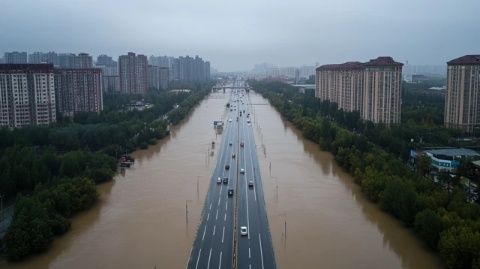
{"x": 276, "y": 188}
{"x": 186, "y": 211}
{"x": 285, "y": 229}
{"x": 198, "y": 190}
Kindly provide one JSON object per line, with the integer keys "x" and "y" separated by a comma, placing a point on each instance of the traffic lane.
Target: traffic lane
{"x": 205, "y": 241}
{"x": 254, "y": 251}
{"x": 257, "y": 210}
{"x": 244, "y": 255}
{"x": 265, "y": 244}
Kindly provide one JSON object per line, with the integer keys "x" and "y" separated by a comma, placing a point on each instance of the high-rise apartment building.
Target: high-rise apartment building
{"x": 43, "y": 58}
{"x": 15, "y": 57}
{"x": 27, "y": 95}
{"x": 111, "y": 79}
{"x": 70, "y": 60}
{"x": 157, "y": 77}
{"x": 105, "y": 60}
{"x": 78, "y": 90}
{"x": 372, "y": 88}
{"x": 462, "y": 102}
{"x": 133, "y": 73}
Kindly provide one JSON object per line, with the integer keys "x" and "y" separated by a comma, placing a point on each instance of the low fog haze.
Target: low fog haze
{"x": 235, "y": 35}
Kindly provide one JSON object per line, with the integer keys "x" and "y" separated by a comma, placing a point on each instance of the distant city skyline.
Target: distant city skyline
{"x": 236, "y": 35}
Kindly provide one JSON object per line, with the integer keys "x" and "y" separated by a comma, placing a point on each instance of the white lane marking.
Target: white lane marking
{"x": 210, "y": 208}
{"x": 204, "y": 230}
{"x": 252, "y": 167}
{"x": 218, "y": 201}
{"x": 223, "y": 233}
{"x": 208, "y": 216}
{"x": 249, "y": 266}
{"x": 220, "y": 263}
{"x": 189, "y": 257}
{"x": 249, "y": 254}
{"x": 225, "y": 217}
{"x": 216, "y": 216}
{"x": 226, "y": 206}
{"x": 246, "y": 194}
{"x": 209, "y": 256}
{"x": 261, "y": 251}
{"x": 214, "y": 226}
{"x": 198, "y": 258}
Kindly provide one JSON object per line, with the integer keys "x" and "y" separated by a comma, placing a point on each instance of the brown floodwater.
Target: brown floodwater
{"x": 141, "y": 221}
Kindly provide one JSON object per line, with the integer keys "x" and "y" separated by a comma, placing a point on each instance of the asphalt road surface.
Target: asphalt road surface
{"x": 219, "y": 243}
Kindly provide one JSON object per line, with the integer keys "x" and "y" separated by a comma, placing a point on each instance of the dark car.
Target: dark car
{"x": 241, "y": 144}
{"x": 230, "y": 192}
{"x": 225, "y": 180}
{"x": 250, "y": 184}
{"x": 233, "y": 156}
{"x": 227, "y": 167}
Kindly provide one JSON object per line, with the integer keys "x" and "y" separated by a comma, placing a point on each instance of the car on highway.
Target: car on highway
{"x": 230, "y": 143}
{"x": 233, "y": 156}
{"x": 229, "y": 120}
{"x": 243, "y": 230}
{"x": 219, "y": 180}
{"x": 241, "y": 144}
{"x": 225, "y": 180}
{"x": 242, "y": 171}
{"x": 248, "y": 121}
{"x": 230, "y": 192}
{"x": 227, "y": 166}
{"x": 250, "y": 184}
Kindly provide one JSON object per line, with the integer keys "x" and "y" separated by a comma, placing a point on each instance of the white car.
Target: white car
{"x": 242, "y": 171}
{"x": 219, "y": 180}
{"x": 229, "y": 120}
{"x": 243, "y": 231}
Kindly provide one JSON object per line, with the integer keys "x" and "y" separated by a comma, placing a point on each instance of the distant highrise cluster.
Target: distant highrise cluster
{"x": 34, "y": 87}
{"x": 184, "y": 68}
{"x": 462, "y": 100}
{"x": 372, "y": 88}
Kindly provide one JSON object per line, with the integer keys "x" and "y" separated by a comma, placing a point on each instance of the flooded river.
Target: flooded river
{"x": 147, "y": 217}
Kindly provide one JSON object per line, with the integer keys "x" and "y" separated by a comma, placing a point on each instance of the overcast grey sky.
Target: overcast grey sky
{"x": 234, "y": 35}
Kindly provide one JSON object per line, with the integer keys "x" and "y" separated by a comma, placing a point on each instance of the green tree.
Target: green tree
{"x": 460, "y": 247}
{"x": 428, "y": 225}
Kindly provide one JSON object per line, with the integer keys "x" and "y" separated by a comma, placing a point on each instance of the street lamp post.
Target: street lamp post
{"x": 198, "y": 188}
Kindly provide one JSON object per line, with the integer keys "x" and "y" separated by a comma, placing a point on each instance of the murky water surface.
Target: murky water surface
{"x": 148, "y": 216}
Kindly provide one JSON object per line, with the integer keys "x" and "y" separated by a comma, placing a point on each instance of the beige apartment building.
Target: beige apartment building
{"x": 462, "y": 99}
{"x": 27, "y": 95}
{"x": 372, "y": 88}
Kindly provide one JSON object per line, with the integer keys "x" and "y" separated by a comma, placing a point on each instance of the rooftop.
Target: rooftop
{"x": 383, "y": 61}
{"x": 26, "y": 67}
{"x": 453, "y": 152}
{"x": 465, "y": 60}
{"x": 380, "y": 61}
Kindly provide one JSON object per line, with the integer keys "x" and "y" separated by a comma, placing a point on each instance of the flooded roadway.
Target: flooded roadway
{"x": 148, "y": 216}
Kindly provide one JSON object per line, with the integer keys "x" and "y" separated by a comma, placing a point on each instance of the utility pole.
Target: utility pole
{"x": 198, "y": 191}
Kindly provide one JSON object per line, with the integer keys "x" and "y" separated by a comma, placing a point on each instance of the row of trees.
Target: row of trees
{"x": 442, "y": 218}
{"x": 52, "y": 170}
